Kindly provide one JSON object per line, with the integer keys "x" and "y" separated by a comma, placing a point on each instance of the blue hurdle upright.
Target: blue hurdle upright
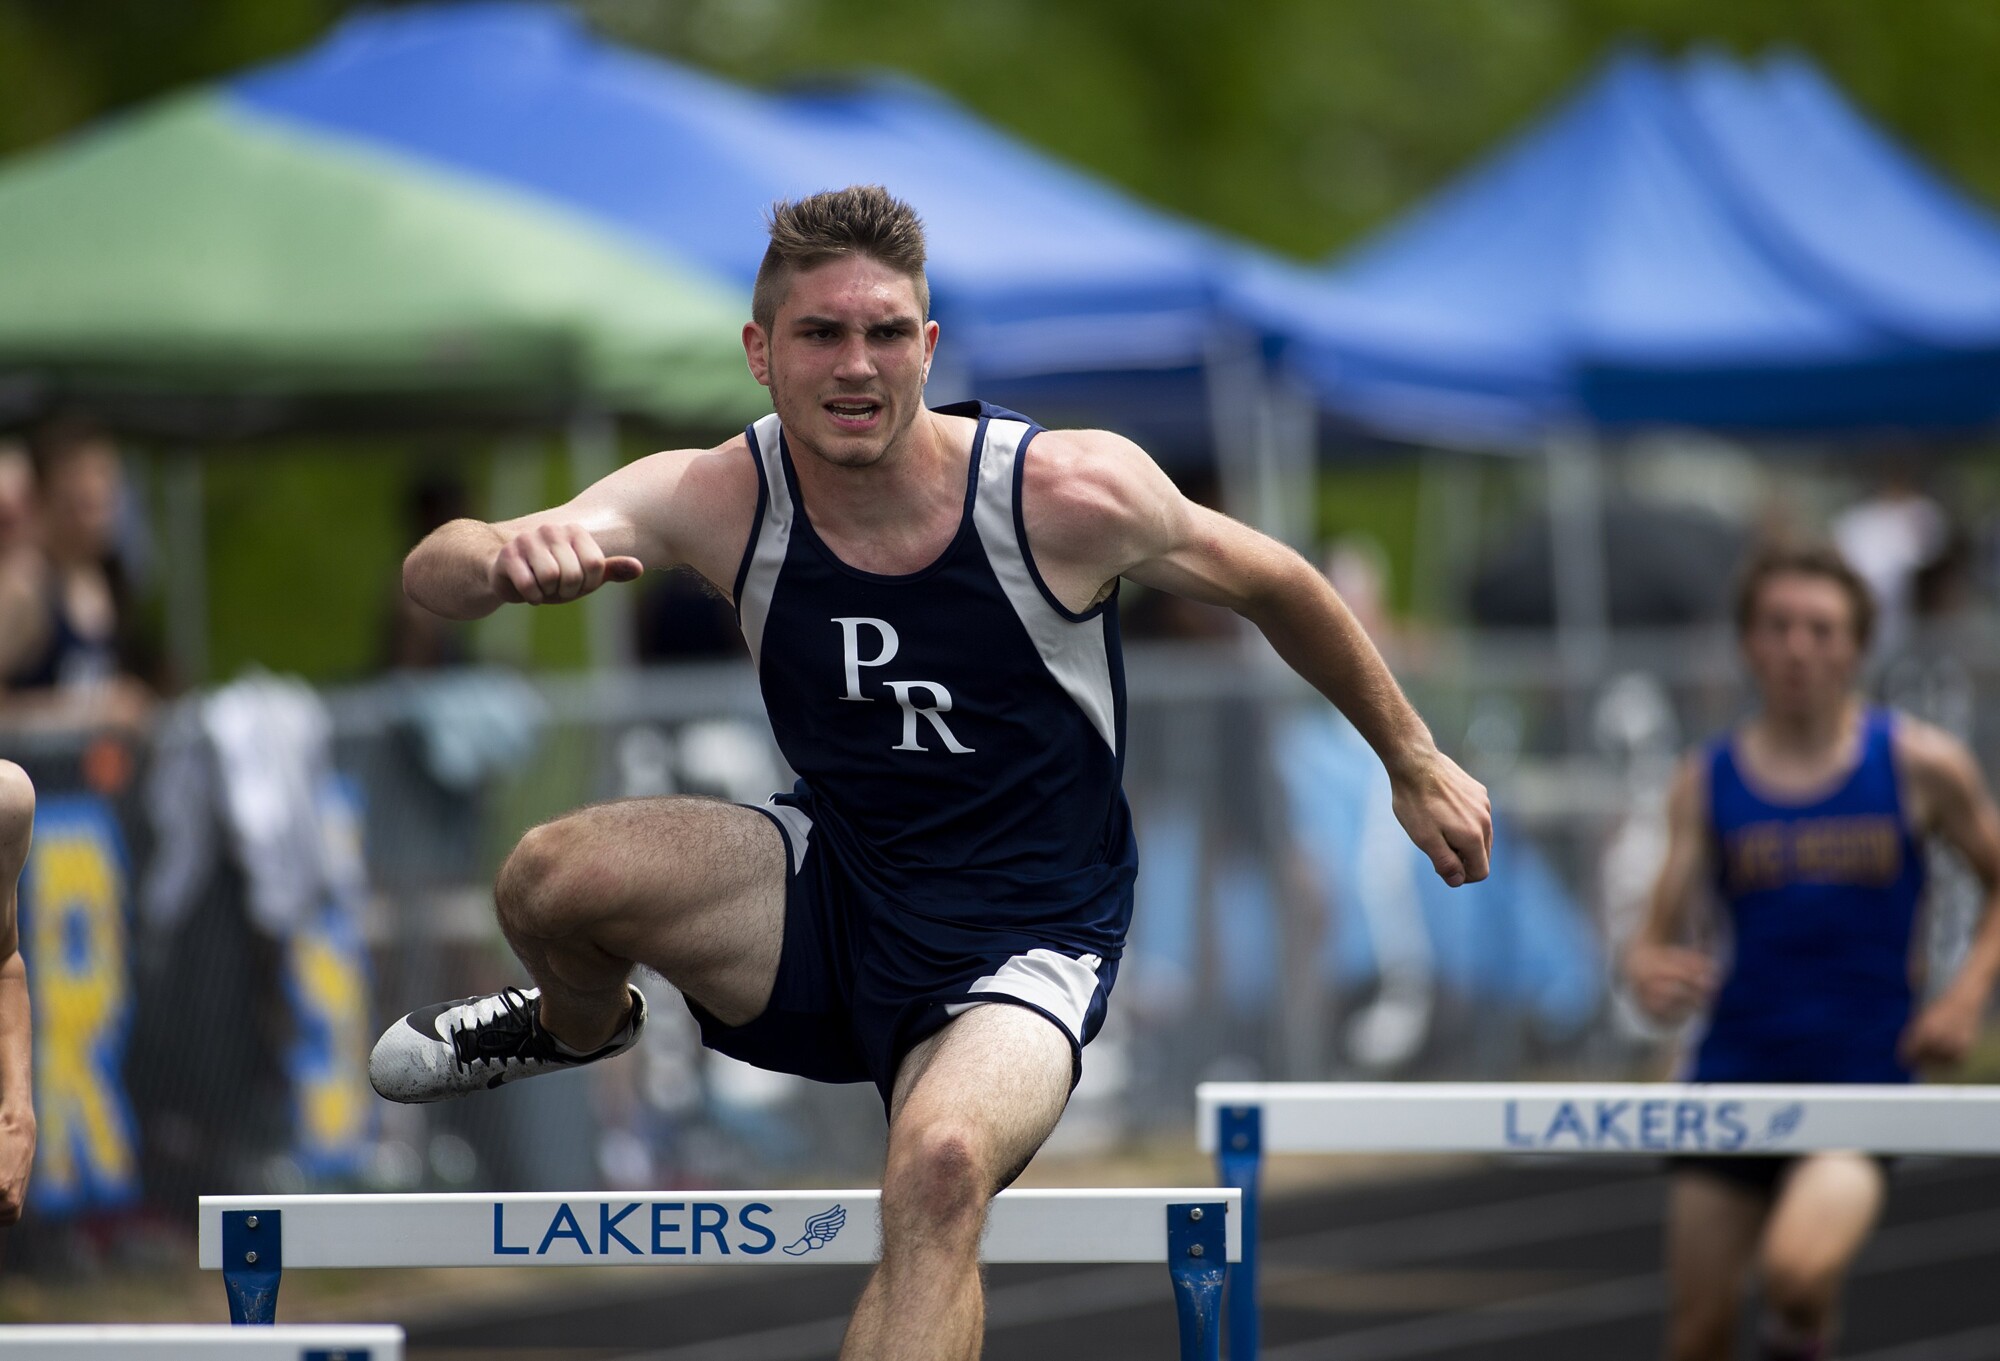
{"x": 252, "y": 1240}
{"x": 1239, "y": 1122}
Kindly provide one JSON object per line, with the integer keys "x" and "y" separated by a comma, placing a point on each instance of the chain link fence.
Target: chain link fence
{"x": 1284, "y": 928}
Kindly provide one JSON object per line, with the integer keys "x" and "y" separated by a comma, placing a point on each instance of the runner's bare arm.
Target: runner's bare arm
{"x": 1097, "y": 508}
{"x": 1950, "y": 799}
{"x": 17, "y": 1088}
{"x": 1669, "y": 978}
{"x": 684, "y": 506}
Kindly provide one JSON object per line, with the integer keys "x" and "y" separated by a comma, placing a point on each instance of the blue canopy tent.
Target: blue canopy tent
{"x": 1036, "y": 270}
{"x": 1702, "y": 244}
{"x": 1696, "y": 244}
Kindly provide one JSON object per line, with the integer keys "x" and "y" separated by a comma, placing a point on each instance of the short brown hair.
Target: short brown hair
{"x": 862, "y": 219}
{"x": 1810, "y": 558}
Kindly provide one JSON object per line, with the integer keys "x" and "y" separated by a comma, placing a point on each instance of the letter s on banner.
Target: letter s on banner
{"x": 73, "y": 937}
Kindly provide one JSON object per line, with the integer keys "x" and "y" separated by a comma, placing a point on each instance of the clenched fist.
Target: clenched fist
{"x": 1447, "y": 814}
{"x": 552, "y": 563}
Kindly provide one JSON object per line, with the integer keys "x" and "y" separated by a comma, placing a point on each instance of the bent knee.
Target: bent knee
{"x": 17, "y": 804}
{"x": 940, "y": 1172}
{"x": 552, "y": 882}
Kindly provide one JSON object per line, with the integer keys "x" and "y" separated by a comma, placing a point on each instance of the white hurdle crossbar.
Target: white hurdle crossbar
{"x": 253, "y": 1239}
{"x": 1239, "y": 1122}
{"x": 202, "y": 1342}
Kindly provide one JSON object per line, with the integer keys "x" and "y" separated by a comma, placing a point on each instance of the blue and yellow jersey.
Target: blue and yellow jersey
{"x": 1822, "y": 902}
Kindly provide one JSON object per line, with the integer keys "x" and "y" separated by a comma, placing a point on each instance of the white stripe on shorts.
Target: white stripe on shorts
{"x": 798, "y": 830}
{"x": 1061, "y": 985}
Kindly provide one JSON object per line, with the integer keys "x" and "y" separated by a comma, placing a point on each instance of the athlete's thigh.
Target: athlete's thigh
{"x": 1003, "y": 1069}
{"x": 1713, "y": 1225}
{"x": 692, "y": 888}
{"x": 1824, "y": 1211}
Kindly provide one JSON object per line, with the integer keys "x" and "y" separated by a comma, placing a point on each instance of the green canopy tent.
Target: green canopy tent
{"x": 198, "y": 251}
{"x": 195, "y": 271}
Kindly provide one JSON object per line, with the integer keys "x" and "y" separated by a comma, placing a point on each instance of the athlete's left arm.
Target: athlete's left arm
{"x": 1097, "y": 508}
{"x": 1948, "y": 798}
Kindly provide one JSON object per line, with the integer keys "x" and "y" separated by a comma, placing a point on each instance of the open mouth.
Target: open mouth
{"x": 857, "y": 413}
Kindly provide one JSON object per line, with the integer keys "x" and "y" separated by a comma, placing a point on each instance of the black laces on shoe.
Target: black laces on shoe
{"x": 512, "y": 1034}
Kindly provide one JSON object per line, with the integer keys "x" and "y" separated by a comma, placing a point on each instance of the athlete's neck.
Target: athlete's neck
{"x": 896, "y": 514}
{"x": 1806, "y": 738}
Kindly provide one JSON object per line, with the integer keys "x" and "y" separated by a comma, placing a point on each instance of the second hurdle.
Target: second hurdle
{"x": 1239, "y": 1122}
{"x": 252, "y": 1240}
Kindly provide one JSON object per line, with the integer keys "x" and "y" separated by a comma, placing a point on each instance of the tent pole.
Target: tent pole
{"x": 1293, "y": 432}
{"x": 187, "y": 567}
{"x": 610, "y": 618}
{"x": 1229, "y": 370}
{"x": 1576, "y": 560}
{"x": 1264, "y": 432}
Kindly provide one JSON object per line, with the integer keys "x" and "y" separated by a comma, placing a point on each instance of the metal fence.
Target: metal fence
{"x": 1284, "y": 928}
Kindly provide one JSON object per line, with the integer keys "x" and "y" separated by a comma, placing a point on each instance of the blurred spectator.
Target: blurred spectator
{"x": 62, "y": 586}
{"x": 1891, "y": 538}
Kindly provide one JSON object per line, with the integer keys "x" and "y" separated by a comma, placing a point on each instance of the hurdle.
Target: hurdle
{"x": 253, "y": 1239}
{"x": 1239, "y": 1122}
{"x": 202, "y": 1342}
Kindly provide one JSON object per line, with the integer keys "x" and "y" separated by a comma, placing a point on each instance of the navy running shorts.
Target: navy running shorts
{"x": 1760, "y": 1174}
{"x": 863, "y": 980}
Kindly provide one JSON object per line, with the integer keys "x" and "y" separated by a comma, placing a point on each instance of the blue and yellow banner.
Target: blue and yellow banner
{"x": 74, "y": 895}
{"x": 326, "y": 981}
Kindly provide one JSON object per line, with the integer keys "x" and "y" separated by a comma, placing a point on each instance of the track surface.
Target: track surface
{"x": 1518, "y": 1261}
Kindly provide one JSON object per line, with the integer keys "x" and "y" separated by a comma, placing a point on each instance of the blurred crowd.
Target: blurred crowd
{"x": 72, "y": 556}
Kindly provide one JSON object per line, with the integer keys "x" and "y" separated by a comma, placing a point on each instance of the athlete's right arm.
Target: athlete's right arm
{"x": 1669, "y": 979}
{"x": 17, "y": 1046}
{"x": 684, "y": 506}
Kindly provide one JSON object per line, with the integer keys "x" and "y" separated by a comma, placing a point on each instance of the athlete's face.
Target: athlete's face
{"x": 845, "y": 359}
{"x": 1800, "y": 644}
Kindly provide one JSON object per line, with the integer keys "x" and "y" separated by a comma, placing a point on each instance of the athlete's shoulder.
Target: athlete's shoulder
{"x": 733, "y": 457}
{"x": 678, "y": 483}
{"x": 1091, "y": 445}
{"x": 1084, "y": 490}
{"x": 1928, "y": 755}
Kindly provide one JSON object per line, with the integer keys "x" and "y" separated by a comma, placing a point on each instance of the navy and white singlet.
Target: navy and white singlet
{"x": 1822, "y": 901}
{"x": 958, "y": 832}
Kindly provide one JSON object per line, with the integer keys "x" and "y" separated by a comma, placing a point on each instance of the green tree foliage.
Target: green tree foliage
{"x": 1303, "y": 124}
{"x": 65, "y": 61}
{"x": 1298, "y": 123}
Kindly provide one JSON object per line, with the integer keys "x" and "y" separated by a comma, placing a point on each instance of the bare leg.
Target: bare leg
{"x": 1823, "y": 1214}
{"x": 692, "y": 888}
{"x": 971, "y": 1106}
{"x": 1712, "y": 1229}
